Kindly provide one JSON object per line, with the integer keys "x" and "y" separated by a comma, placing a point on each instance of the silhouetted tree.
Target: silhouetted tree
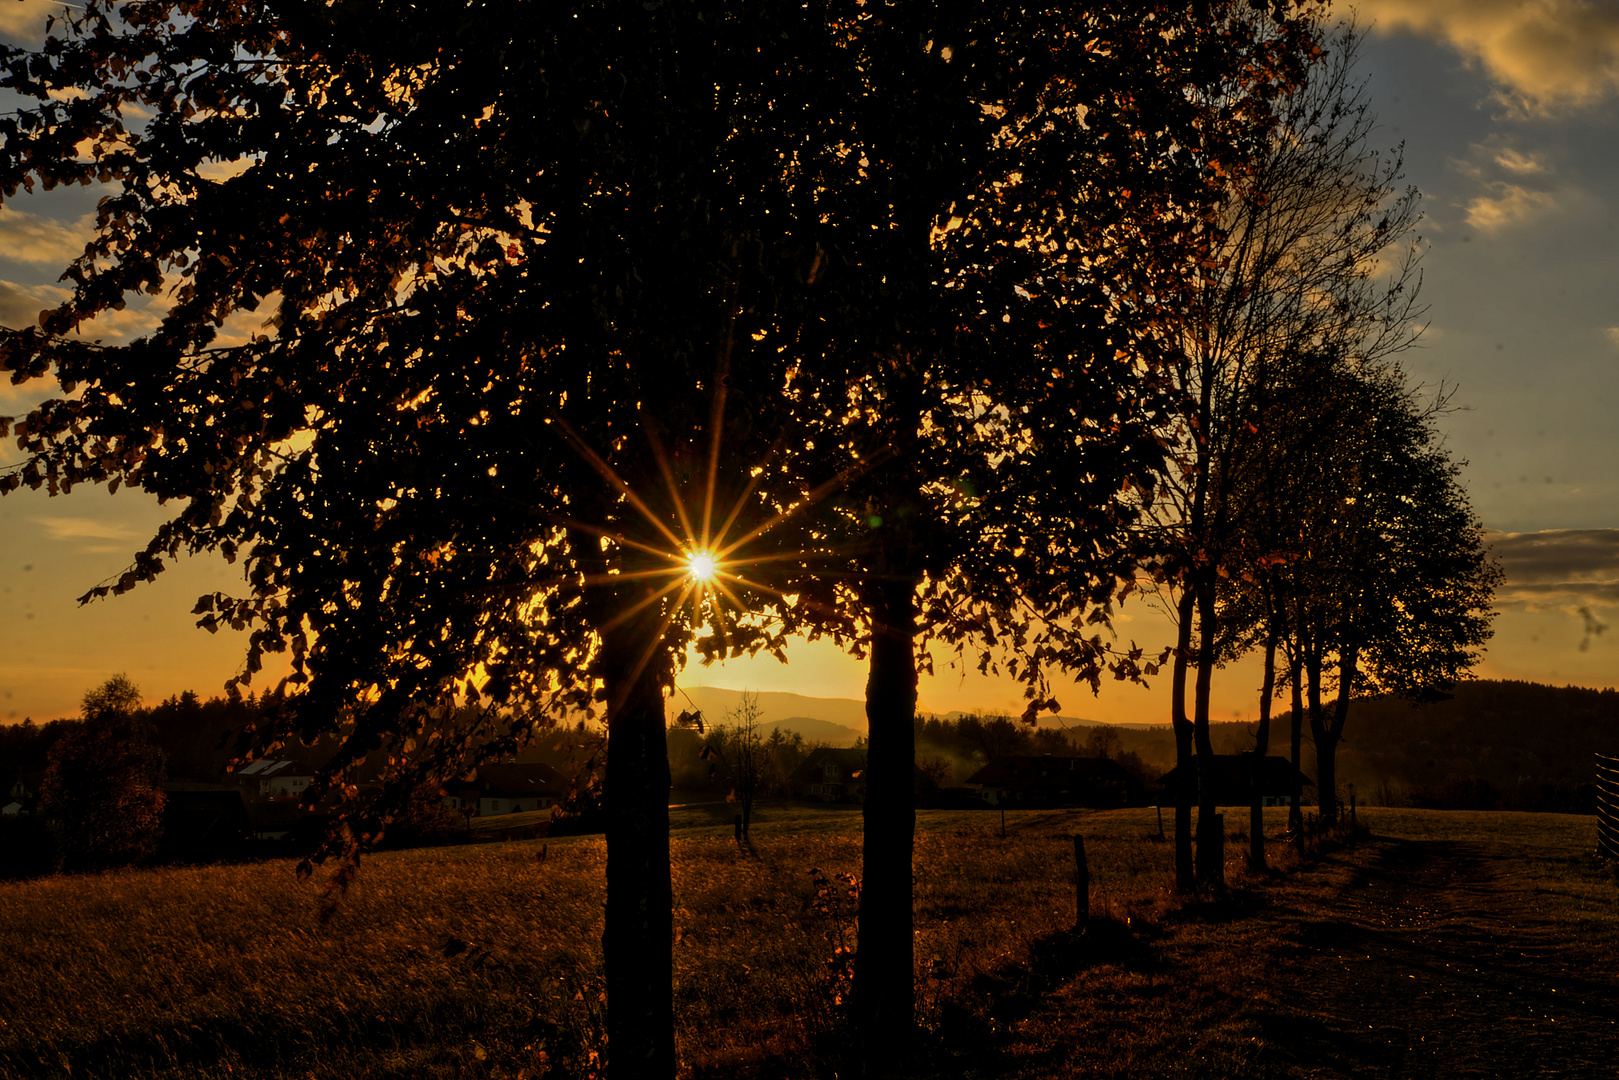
{"x": 1403, "y": 579}
{"x": 1039, "y": 185}
{"x": 102, "y": 792}
{"x": 516, "y": 258}
{"x": 1294, "y": 278}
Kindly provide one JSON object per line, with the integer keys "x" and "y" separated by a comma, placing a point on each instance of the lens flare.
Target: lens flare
{"x": 701, "y": 566}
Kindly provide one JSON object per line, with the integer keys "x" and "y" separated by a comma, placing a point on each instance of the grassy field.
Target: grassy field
{"x": 483, "y": 960}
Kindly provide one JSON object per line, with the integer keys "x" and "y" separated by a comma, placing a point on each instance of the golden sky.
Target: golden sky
{"x": 1507, "y": 111}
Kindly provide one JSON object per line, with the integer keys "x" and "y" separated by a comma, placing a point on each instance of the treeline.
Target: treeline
{"x": 967, "y": 743}
{"x": 711, "y": 760}
{"x": 114, "y": 786}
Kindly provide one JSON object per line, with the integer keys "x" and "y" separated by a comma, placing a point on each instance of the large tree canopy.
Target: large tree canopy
{"x": 515, "y": 258}
{"x": 866, "y": 297}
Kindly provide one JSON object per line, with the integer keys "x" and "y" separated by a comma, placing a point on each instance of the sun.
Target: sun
{"x": 700, "y": 566}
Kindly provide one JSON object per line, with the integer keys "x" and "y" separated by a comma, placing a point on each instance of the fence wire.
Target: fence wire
{"x": 1608, "y": 806}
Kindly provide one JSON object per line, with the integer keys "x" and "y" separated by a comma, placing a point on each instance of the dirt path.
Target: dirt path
{"x": 1434, "y": 962}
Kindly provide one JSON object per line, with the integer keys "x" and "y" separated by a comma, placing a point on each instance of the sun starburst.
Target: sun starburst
{"x": 700, "y": 566}
{"x": 712, "y": 559}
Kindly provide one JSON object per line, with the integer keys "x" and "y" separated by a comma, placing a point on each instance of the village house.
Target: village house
{"x": 509, "y": 789}
{"x": 276, "y": 778}
{"x": 1048, "y": 780}
{"x": 21, "y": 795}
{"x": 1232, "y": 778}
{"x": 831, "y": 774}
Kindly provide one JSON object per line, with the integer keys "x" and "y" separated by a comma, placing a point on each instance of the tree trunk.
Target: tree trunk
{"x": 1256, "y": 812}
{"x": 1332, "y": 732}
{"x": 1184, "y": 765}
{"x": 883, "y": 968}
{"x": 1295, "y": 809}
{"x": 638, "y": 937}
{"x": 1210, "y": 844}
{"x": 1318, "y": 730}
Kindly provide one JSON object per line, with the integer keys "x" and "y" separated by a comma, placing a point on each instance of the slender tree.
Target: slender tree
{"x": 1293, "y": 279}
{"x": 1404, "y": 577}
{"x": 745, "y": 755}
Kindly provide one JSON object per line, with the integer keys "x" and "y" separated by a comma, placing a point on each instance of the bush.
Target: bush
{"x": 29, "y": 850}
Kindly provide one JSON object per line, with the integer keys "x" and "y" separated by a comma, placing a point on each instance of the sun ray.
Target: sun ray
{"x": 650, "y": 598}
{"x": 716, "y": 424}
{"x": 662, "y": 459}
{"x": 759, "y": 586}
{"x": 654, "y": 643}
{"x": 616, "y": 481}
{"x": 816, "y": 495}
{"x": 633, "y": 575}
{"x": 742, "y": 499}
{"x": 616, "y": 537}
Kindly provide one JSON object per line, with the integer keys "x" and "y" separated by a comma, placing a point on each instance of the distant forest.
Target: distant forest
{"x": 1493, "y": 744}
{"x": 199, "y": 737}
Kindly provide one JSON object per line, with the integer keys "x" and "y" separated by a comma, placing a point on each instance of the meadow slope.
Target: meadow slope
{"x": 483, "y": 960}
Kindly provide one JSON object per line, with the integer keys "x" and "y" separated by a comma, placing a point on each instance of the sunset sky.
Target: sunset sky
{"x": 1508, "y": 113}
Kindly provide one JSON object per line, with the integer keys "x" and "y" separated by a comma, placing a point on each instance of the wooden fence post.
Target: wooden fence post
{"x": 1082, "y": 885}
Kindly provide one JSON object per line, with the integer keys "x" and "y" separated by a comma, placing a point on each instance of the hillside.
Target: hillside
{"x": 834, "y": 721}
{"x": 1517, "y": 745}
{"x": 1534, "y": 744}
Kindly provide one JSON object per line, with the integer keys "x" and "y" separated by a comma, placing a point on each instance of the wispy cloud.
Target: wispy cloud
{"x": 22, "y": 22}
{"x": 1521, "y": 164}
{"x": 31, "y": 238}
{"x": 1543, "y": 55}
{"x": 1558, "y": 567}
{"x": 84, "y": 528}
{"x": 20, "y": 306}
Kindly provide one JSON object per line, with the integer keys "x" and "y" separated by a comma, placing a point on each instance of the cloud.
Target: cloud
{"x": 1557, "y": 567}
{"x": 20, "y": 305}
{"x": 83, "y": 528}
{"x": 1507, "y": 205}
{"x": 1521, "y": 164}
{"x": 1613, "y": 334}
{"x": 1544, "y": 55}
{"x": 30, "y": 238}
{"x": 22, "y": 22}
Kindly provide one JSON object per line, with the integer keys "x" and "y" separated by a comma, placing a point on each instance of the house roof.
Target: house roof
{"x": 1050, "y": 772}
{"x": 519, "y": 781}
{"x": 266, "y": 767}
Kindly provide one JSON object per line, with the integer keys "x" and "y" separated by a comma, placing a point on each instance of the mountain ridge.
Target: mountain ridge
{"x": 835, "y": 721}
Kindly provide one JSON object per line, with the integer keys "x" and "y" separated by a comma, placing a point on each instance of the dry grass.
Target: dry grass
{"x": 483, "y": 961}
